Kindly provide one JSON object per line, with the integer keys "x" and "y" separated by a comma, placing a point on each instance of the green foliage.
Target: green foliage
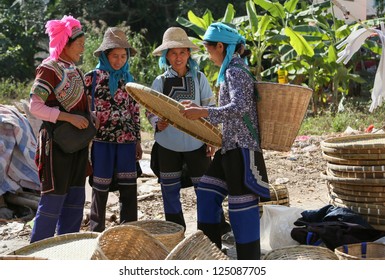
{"x": 11, "y": 91}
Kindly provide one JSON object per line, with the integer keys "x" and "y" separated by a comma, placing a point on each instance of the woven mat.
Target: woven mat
{"x": 356, "y": 156}
{"x": 361, "y": 208}
{"x": 281, "y": 110}
{"x": 71, "y": 246}
{"x": 370, "y": 197}
{"x": 362, "y": 141}
{"x": 334, "y": 194}
{"x": 353, "y": 151}
{"x": 168, "y": 109}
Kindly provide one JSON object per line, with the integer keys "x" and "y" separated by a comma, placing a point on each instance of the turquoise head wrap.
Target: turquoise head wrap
{"x": 220, "y": 32}
{"x": 191, "y": 63}
{"x": 115, "y": 75}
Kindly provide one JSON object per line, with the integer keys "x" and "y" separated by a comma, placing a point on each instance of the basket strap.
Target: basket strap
{"x": 363, "y": 249}
{"x": 246, "y": 117}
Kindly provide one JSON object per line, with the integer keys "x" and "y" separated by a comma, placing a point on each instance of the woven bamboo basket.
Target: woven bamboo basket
{"x": 352, "y": 151}
{"x": 361, "y": 251}
{"x": 360, "y": 190}
{"x": 357, "y": 156}
{"x": 364, "y": 175}
{"x": 279, "y": 195}
{"x": 301, "y": 252}
{"x": 71, "y": 246}
{"x": 127, "y": 242}
{"x": 334, "y": 192}
{"x": 359, "y": 162}
{"x": 353, "y": 181}
{"x": 20, "y": 258}
{"x": 357, "y": 169}
{"x": 169, "y": 233}
{"x": 281, "y": 109}
{"x": 355, "y": 142}
{"x": 196, "y": 246}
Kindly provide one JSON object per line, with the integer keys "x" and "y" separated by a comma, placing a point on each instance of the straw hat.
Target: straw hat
{"x": 114, "y": 38}
{"x": 174, "y": 37}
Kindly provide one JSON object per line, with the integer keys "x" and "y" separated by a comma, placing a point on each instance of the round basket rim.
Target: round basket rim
{"x": 360, "y": 141}
{"x": 339, "y": 251}
{"x": 316, "y": 251}
{"x": 45, "y": 248}
{"x": 353, "y": 181}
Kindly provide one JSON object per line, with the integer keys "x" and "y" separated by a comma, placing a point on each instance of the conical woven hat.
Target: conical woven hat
{"x": 174, "y": 37}
{"x": 114, "y": 38}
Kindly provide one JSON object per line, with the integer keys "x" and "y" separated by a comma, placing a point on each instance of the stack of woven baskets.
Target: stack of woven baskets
{"x": 355, "y": 175}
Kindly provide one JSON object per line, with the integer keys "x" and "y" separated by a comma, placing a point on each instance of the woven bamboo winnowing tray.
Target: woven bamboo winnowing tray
{"x": 169, "y": 233}
{"x": 169, "y": 109}
{"x": 281, "y": 110}
{"x": 70, "y": 246}
{"x": 196, "y": 246}
{"x": 361, "y": 251}
{"x": 355, "y": 142}
{"x": 127, "y": 242}
{"x": 301, "y": 252}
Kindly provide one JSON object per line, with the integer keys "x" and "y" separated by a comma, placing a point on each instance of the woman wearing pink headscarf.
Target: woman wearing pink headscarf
{"x": 57, "y": 92}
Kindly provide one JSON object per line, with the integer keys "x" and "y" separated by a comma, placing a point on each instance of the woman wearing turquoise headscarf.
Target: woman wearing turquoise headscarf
{"x": 116, "y": 147}
{"x": 238, "y": 169}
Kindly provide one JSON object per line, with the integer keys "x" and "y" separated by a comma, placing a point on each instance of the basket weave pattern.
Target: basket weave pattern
{"x": 196, "y": 246}
{"x": 62, "y": 247}
{"x": 169, "y": 233}
{"x": 361, "y": 251}
{"x": 301, "y": 252}
{"x": 281, "y": 110}
{"x": 355, "y": 175}
{"x": 127, "y": 242}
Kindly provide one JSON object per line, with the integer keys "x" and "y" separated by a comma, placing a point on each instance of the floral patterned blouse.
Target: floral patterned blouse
{"x": 236, "y": 98}
{"x": 119, "y": 115}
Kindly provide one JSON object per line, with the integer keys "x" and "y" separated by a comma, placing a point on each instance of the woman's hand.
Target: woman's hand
{"x": 95, "y": 119}
{"x": 210, "y": 150}
{"x": 76, "y": 120}
{"x": 161, "y": 125}
{"x": 194, "y": 112}
{"x": 139, "y": 151}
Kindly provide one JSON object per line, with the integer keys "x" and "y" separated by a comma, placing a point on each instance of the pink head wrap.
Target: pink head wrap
{"x": 59, "y": 32}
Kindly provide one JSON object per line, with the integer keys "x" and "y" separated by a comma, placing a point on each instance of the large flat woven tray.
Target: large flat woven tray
{"x": 71, "y": 246}
{"x": 169, "y": 109}
{"x": 356, "y": 142}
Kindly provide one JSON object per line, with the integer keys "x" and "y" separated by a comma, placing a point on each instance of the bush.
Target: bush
{"x": 11, "y": 90}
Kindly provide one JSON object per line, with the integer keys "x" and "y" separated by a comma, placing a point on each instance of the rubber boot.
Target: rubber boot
{"x": 213, "y": 232}
{"x": 98, "y": 210}
{"x": 128, "y": 203}
{"x": 176, "y": 218}
{"x": 249, "y": 251}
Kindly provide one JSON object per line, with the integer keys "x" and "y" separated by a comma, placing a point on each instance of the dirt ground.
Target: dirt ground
{"x": 298, "y": 170}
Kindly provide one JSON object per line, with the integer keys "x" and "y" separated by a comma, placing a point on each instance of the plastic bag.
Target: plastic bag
{"x": 276, "y": 223}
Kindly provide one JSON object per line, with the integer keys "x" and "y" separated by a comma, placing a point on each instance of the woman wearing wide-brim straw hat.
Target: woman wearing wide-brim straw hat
{"x": 116, "y": 147}
{"x": 181, "y": 80}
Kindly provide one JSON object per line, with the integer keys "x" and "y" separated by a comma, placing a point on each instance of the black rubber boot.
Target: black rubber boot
{"x": 128, "y": 203}
{"x": 213, "y": 232}
{"x": 98, "y": 211}
{"x": 225, "y": 226}
{"x": 176, "y": 218}
{"x": 249, "y": 251}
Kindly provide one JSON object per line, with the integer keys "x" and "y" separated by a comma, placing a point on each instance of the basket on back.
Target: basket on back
{"x": 281, "y": 110}
{"x": 127, "y": 242}
{"x": 168, "y": 233}
{"x": 196, "y": 246}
